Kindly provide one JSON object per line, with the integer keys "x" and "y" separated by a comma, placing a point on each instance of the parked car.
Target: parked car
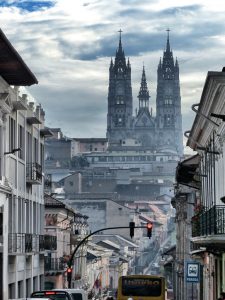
{"x": 77, "y": 294}
{"x": 52, "y": 295}
{"x": 61, "y": 294}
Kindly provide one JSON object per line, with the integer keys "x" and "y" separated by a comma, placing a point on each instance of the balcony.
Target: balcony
{"x": 54, "y": 265}
{"x": 41, "y": 243}
{"x": 50, "y": 242}
{"x": 209, "y": 224}
{"x": 20, "y": 243}
{"x": 34, "y": 173}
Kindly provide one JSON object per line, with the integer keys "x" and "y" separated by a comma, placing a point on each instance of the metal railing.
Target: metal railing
{"x": 20, "y": 242}
{"x": 34, "y": 173}
{"x": 27, "y": 242}
{"x": 50, "y": 242}
{"x": 41, "y": 243}
{"x": 210, "y": 222}
{"x": 55, "y": 264}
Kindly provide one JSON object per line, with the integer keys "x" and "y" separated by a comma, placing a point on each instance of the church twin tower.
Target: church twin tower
{"x": 162, "y": 133}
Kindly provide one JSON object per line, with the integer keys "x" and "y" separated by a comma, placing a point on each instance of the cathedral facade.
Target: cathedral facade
{"x": 160, "y": 133}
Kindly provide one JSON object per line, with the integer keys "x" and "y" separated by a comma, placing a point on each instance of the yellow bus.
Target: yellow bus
{"x": 141, "y": 287}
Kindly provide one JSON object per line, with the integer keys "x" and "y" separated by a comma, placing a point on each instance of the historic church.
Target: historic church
{"x": 160, "y": 133}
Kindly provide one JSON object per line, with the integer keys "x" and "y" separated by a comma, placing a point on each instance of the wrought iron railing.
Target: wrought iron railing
{"x": 34, "y": 173}
{"x": 210, "y": 222}
{"x": 27, "y": 242}
{"x": 41, "y": 243}
{"x": 50, "y": 242}
{"x": 20, "y": 243}
{"x": 54, "y": 264}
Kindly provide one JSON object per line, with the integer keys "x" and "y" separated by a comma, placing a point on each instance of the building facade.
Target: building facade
{"x": 21, "y": 180}
{"x": 103, "y": 212}
{"x": 68, "y": 228}
{"x": 163, "y": 132}
{"x": 206, "y": 176}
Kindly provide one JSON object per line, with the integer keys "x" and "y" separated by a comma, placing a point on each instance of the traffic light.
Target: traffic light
{"x": 69, "y": 274}
{"x": 132, "y": 226}
{"x": 149, "y": 229}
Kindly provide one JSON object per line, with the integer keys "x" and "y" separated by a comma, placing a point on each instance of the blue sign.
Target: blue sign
{"x": 192, "y": 271}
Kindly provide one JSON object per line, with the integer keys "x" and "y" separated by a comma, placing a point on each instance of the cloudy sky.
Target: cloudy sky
{"x": 68, "y": 45}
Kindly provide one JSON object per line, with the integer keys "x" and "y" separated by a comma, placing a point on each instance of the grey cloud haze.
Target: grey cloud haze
{"x": 68, "y": 45}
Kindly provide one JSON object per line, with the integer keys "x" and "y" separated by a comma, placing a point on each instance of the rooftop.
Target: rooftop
{"x": 12, "y": 67}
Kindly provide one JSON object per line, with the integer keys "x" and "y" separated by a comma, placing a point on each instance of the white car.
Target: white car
{"x": 77, "y": 294}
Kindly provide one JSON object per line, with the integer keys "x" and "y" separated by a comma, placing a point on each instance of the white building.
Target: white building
{"x": 207, "y": 137}
{"x": 22, "y": 243}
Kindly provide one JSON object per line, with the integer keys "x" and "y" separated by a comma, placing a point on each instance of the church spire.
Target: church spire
{"x": 120, "y": 51}
{"x": 120, "y": 61}
{"x": 168, "y": 41}
{"x": 143, "y": 95}
{"x": 120, "y": 43}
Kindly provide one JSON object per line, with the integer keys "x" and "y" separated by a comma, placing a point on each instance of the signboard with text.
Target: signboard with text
{"x": 192, "y": 271}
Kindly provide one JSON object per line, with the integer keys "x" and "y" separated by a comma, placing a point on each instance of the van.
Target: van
{"x": 77, "y": 294}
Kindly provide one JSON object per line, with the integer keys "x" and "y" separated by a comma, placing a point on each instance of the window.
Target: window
{"x": 35, "y": 150}
{"x": 167, "y": 120}
{"x": 1, "y": 223}
{"x": 102, "y": 158}
{"x": 12, "y": 133}
{"x": 143, "y": 158}
{"x": 42, "y": 153}
{"x": 168, "y": 101}
{"x": 21, "y": 141}
{"x": 34, "y": 217}
{"x": 117, "y": 158}
{"x": 119, "y": 100}
{"x": 29, "y": 148}
{"x": 20, "y": 289}
{"x": 27, "y": 205}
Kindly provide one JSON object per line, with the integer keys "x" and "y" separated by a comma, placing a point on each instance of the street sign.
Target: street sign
{"x": 192, "y": 271}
